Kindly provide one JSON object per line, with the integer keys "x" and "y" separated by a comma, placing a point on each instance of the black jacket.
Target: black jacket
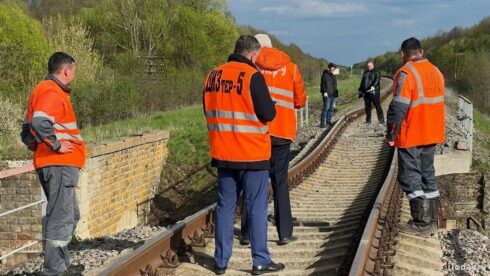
{"x": 264, "y": 109}
{"x": 329, "y": 84}
{"x": 370, "y": 78}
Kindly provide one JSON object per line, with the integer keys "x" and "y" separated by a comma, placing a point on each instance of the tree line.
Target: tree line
{"x": 463, "y": 56}
{"x": 134, "y": 57}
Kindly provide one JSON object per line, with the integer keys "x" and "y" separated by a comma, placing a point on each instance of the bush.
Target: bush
{"x": 10, "y": 116}
{"x": 179, "y": 88}
{"x": 73, "y": 38}
{"x": 97, "y": 104}
{"x": 24, "y": 52}
{"x": 474, "y": 81}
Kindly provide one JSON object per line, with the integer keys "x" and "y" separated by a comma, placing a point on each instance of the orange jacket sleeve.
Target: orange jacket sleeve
{"x": 47, "y": 108}
{"x": 298, "y": 88}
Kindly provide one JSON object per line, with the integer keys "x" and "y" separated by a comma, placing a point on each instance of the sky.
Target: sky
{"x": 350, "y": 31}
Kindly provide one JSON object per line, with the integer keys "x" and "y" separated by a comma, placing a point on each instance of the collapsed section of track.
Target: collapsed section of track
{"x": 335, "y": 187}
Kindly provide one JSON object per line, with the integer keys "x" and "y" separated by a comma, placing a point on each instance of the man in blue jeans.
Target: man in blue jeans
{"x": 328, "y": 88}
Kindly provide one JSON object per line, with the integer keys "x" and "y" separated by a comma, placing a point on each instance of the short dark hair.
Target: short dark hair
{"x": 411, "y": 46}
{"x": 246, "y": 44}
{"x": 330, "y": 65}
{"x": 57, "y": 60}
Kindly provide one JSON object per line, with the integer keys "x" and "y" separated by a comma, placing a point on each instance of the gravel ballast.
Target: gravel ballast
{"x": 466, "y": 252}
{"x": 88, "y": 255}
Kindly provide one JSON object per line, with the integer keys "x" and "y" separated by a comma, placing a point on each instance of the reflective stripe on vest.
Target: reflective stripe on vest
{"x": 62, "y": 117}
{"x": 235, "y": 132}
{"x": 285, "y": 93}
{"x": 421, "y": 87}
{"x": 234, "y": 127}
{"x": 66, "y": 136}
{"x": 67, "y": 126}
{"x": 237, "y": 128}
{"x": 231, "y": 115}
{"x": 40, "y": 114}
{"x": 421, "y": 96}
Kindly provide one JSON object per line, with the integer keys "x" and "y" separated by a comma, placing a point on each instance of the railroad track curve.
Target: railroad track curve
{"x": 344, "y": 203}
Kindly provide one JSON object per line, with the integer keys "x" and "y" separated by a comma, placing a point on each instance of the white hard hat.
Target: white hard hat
{"x": 264, "y": 40}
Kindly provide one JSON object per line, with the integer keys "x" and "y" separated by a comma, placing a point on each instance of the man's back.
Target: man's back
{"x": 287, "y": 90}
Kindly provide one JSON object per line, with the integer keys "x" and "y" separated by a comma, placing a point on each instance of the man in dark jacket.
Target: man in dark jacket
{"x": 238, "y": 106}
{"x": 328, "y": 88}
{"x": 370, "y": 90}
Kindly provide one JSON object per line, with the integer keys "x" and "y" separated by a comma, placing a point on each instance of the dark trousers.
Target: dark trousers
{"x": 62, "y": 215}
{"x": 374, "y": 99}
{"x": 255, "y": 191}
{"x": 280, "y": 188}
{"x": 416, "y": 173}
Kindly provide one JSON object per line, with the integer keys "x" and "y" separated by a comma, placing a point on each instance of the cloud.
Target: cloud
{"x": 314, "y": 8}
{"x": 278, "y": 10}
{"x": 404, "y": 22}
{"x": 279, "y": 33}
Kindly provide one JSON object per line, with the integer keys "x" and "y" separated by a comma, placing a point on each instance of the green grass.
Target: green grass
{"x": 482, "y": 122}
{"x": 347, "y": 91}
{"x": 11, "y": 147}
{"x": 482, "y": 125}
{"x": 188, "y": 145}
{"x": 347, "y": 96}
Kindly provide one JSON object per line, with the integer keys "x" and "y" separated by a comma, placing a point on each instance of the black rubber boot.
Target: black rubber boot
{"x": 434, "y": 210}
{"x": 421, "y": 215}
{"x": 434, "y": 214}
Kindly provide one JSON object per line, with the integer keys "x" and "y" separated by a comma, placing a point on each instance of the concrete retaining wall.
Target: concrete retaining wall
{"x": 458, "y": 161}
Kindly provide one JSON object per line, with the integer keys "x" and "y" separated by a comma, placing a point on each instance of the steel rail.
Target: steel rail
{"x": 164, "y": 250}
{"x": 158, "y": 251}
{"x": 367, "y": 252}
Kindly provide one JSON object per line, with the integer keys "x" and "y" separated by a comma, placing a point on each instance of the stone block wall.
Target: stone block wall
{"x": 465, "y": 195}
{"x": 24, "y": 226}
{"x": 114, "y": 192}
{"x": 118, "y": 182}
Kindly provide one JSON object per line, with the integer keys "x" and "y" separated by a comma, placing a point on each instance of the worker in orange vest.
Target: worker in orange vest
{"x": 50, "y": 129}
{"x": 287, "y": 90}
{"x": 415, "y": 124}
{"x": 238, "y": 106}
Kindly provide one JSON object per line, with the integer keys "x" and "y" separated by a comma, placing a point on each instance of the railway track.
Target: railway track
{"x": 344, "y": 204}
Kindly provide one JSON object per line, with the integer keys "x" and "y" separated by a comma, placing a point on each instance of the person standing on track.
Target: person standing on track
{"x": 50, "y": 130}
{"x": 370, "y": 90}
{"x": 287, "y": 90}
{"x": 328, "y": 89}
{"x": 237, "y": 107}
{"x": 415, "y": 124}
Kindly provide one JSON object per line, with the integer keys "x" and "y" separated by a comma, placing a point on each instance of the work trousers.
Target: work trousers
{"x": 280, "y": 188}
{"x": 416, "y": 173}
{"x": 62, "y": 215}
{"x": 370, "y": 98}
{"x": 254, "y": 184}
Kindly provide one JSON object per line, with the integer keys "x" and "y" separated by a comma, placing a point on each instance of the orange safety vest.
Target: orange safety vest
{"x": 50, "y": 101}
{"x": 286, "y": 88}
{"x": 235, "y": 133}
{"x": 423, "y": 90}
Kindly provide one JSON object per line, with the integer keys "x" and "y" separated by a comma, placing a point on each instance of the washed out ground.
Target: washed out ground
{"x": 188, "y": 181}
{"x": 466, "y": 252}
{"x": 179, "y": 198}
